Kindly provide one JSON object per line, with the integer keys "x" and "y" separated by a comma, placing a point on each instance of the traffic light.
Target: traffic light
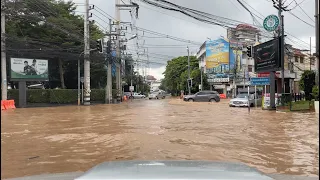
{"x": 100, "y": 45}
{"x": 108, "y": 47}
{"x": 249, "y": 51}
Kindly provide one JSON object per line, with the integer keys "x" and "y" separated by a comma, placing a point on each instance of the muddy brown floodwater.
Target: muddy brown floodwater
{"x": 71, "y": 138}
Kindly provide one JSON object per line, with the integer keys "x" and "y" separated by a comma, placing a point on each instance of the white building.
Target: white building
{"x": 154, "y": 86}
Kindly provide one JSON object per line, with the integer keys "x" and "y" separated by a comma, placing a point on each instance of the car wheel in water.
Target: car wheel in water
{"x": 190, "y": 100}
{"x": 212, "y": 100}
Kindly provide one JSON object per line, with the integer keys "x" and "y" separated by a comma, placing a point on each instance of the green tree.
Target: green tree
{"x": 176, "y": 75}
{"x": 307, "y": 82}
{"x": 50, "y": 29}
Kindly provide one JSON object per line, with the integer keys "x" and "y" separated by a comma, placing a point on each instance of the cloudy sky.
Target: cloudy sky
{"x": 174, "y": 24}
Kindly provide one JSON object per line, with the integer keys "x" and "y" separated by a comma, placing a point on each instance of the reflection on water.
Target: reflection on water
{"x": 65, "y": 139}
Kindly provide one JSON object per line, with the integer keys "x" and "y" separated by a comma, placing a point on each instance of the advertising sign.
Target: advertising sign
{"x": 266, "y": 100}
{"x": 259, "y": 81}
{"x": 267, "y": 74}
{"x": 219, "y": 80}
{"x": 22, "y": 69}
{"x": 266, "y": 56}
{"x": 217, "y": 58}
{"x": 220, "y": 60}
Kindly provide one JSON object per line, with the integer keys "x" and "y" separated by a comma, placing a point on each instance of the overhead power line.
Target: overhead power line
{"x": 303, "y": 11}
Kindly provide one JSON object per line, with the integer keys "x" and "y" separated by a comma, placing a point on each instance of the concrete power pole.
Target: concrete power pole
{"x": 118, "y": 55}
{"x": 109, "y": 73}
{"x": 317, "y": 39}
{"x": 281, "y": 35}
{"x": 189, "y": 84}
{"x": 4, "y": 88}
{"x": 86, "y": 56}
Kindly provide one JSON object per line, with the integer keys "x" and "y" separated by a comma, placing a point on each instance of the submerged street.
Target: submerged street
{"x": 71, "y": 138}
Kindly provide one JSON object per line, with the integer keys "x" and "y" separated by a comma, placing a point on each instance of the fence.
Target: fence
{"x": 294, "y": 102}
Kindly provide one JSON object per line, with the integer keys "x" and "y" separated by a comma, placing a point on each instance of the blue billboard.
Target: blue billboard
{"x": 220, "y": 58}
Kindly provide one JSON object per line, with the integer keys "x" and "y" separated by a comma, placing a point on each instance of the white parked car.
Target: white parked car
{"x": 138, "y": 96}
{"x": 157, "y": 95}
{"x": 242, "y": 101}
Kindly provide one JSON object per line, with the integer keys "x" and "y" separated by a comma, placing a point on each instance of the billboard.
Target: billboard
{"x": 22, "y": 69}
{"x": 218, "y": 59}
{"x": 266, "y": 56}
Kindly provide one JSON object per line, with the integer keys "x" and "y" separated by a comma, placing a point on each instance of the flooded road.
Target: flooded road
{"x": 70, "y": 138}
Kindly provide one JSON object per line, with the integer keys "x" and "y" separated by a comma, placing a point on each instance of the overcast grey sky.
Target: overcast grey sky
{"x": 181, "y": 26}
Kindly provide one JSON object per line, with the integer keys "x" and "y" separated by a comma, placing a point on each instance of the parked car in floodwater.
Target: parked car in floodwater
{"x": 157, "y": 95}
{"x": 203, "y": 96}
{"x": 242, "y": 100}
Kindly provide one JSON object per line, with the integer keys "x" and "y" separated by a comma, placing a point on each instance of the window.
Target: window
{"x": 301, "y": 59}
{"x": 201, "y": 93}
{"x": 249, "y": 68}
{"x": 296, "y": 59}
{"x": 214, "y": 92}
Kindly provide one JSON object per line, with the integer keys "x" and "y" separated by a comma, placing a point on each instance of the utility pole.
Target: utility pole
{"x": 281, "y": 36}
{"x": 4, "y": 87}
{"x": 189, "y": 88}
{"x": 317, "y": 39}
{"x": 109, "y": 73}
{"x": 118, "y": 55}
{"x": 86, "y": 56}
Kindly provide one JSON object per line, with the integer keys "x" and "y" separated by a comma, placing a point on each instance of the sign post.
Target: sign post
{"x": 131, "y": 88}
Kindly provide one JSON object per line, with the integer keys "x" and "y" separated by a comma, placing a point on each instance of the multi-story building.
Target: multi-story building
{"x": 238, "y": 39}
{"x": 296, "y": 61}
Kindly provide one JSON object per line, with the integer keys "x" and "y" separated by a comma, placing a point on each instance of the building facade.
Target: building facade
{"x": 228, "y": 76}
{"x": 225, "y": 60}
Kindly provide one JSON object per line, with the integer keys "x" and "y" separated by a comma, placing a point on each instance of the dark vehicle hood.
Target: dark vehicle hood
{"x": 182, "y": 170}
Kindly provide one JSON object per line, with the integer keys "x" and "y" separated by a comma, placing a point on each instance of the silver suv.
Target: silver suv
{"x": 157, "y": 95}
{"x": 203, "y": 96}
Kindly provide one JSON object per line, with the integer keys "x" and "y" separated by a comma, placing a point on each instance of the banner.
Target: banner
{"x": 266, "y": 100}
{"x": 218, "y": 58}
{"x": 28, "y": 69}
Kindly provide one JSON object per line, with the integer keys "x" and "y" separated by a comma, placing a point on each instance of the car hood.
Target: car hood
{"x": 173, "y": 170}
{"x": 169, "y": 170}
{"x": 239, "y": 99}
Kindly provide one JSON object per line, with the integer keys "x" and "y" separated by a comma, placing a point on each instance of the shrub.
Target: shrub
{"x": 38, "y": 95}
{"x": 97, "y": 95}
{"x": 315, "y": 92}
{"x": 63, "y": 96}
{"x": 13, "y": 94}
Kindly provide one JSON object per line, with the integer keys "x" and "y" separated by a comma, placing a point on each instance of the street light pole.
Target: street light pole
{"x": 317, "y": 39}
{"x": 189, "y": 90}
